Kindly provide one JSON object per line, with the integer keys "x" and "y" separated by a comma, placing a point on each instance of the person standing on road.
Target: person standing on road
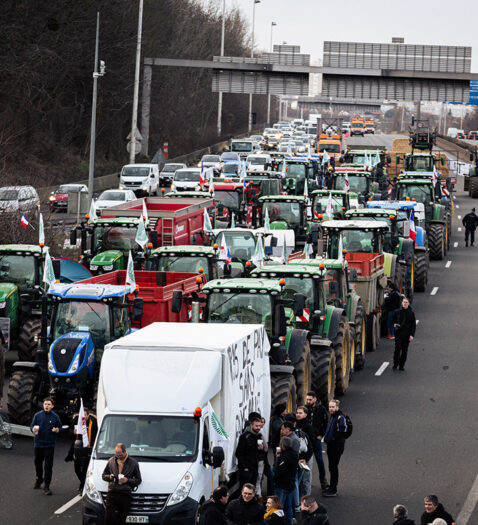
{"x": 392, "y": 304}
{"x": 285, "y": 474}
{"x": 305, "y": 486}
{"x": 313, "y": 513}
{"x": 123, "y": 475}
{"x": 470, "y": 222}
{"x": 274, "y": 511}
{"x": 213, "y": 512}
{"x": 405, "y": 325}
{"x": 276, "y": 421}
{"x": 45, "y": 425}
{"x": 247, "y": 452}
{"x": 318, "y": 417}
{"x": 434, "y": 510}
{"x": 335, "y": 439}
{"x": 245, "y": 510}
{"x": 400, "y": 516}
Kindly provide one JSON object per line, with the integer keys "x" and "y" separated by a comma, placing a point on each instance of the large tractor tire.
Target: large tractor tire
{"x": 410, "y": 281}
{"x": 448, "y": 231}
{"x": 421, "y": 271}
{"x": 473, "y": 187}
{"x": 283, "y": 390}
{"x": 360, "y": 337}
{"x": 373, "y": 325}
{"x": 2, "y": 368}
{"x": 303, "y": 375}
{"x": 323, "y": 373}
{"x": 436, "y": 241}
{"x": 341, "y": 345}
{"x": 22, "y": 396}
{"x": 28, "y": 340}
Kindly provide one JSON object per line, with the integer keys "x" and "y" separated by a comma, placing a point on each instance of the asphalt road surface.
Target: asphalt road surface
{"x": 415, "y": 432}
{"x": 377, "y": 140}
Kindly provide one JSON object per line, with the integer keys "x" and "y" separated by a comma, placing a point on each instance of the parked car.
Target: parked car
{"x": 460, "y": 135}
{"x": 473, "y": 135}
{"x": 20, "y": 200}
{"x": 58, "y": 199}
{"x": 113, "y": 197}
{"x": 167, "y": 173}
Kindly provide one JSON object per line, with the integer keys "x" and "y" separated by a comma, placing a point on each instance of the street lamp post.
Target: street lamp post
{"x": 134, "y": 120}
{"x": 273, "y": 24}
{"x": 219, "y": 101}
{"x": 254, "y": 2}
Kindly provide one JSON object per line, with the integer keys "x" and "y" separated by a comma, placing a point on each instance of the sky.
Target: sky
{"x": 309, "y": 22}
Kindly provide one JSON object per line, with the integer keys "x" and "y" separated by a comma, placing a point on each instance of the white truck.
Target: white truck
{"x": 160, "y": 391}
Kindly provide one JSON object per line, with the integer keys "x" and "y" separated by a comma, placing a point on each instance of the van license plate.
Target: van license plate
{"x": 137, "y": 519}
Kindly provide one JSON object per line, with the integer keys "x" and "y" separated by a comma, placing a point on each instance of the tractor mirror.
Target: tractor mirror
{"x": 333, "y": 288}
{"x": 177, "y": 301}
{"x": 153, "y": 237}
{"x": 299, "y": 304}
{"x": 56, "y": 268}
{"x": 274, "y": 241}
{"x": 313, "y": 236}
{"x": 353, "y": 275}
{"x": 443, "y": 161}
{"x": 268, "y": 251}
{"x": 397, "y": 159}
{"x": 389, "y": 159}
{"x": 280, "y": 322}
{"x": 471, "y": 157}
{"x": 137, "y": 312}
{"x": 26, "y": 305}
{"x": 73, "y": 237}
{"x": 217, "y": 457}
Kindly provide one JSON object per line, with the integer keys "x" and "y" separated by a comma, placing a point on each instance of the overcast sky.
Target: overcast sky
{"x": 309, "y": 22}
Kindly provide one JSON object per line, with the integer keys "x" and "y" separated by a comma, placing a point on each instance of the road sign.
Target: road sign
{"x": 137, "y": 146}
{"x": 474, "y": 92}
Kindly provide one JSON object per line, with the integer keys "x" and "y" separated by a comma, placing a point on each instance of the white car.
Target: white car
{"x": 167, "y": 173}
{"x": 143, "y": 179}
{"x": 187, "y": 179}
{"x": 211, "y": 161}
{"x": 112, "y": 198}
{"x": 19, "y": 199}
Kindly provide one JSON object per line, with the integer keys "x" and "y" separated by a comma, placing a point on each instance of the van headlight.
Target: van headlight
{"x": 90, "y": 489}
{"x": 182, "y": 490}
{"x": 173, "y": 186}
{"x": 76, "y": 363}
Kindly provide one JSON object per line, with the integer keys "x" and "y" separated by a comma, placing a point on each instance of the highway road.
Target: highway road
{"x": 377, "y": 140}
{"x": 415, "y": 432}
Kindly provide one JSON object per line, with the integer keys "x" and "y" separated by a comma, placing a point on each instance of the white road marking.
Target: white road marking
{"x": 448, "y": 264}
{"x": 459, "y": 229}
{"x": 469, "y": 505}
{"x": 457, "y": 206}
{"x": 434, "y": 291}
{"x": 455, "y": 245}
{"x": 382, "y": 368}
{"x": 68, "y": 505}
{"x": 417, "y": 321}
{"x": 459, "y": 216}
{"x": 454, "y": 196}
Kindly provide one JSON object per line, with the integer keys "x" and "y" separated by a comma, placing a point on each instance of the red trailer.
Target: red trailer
{"x": 156, "y": 289}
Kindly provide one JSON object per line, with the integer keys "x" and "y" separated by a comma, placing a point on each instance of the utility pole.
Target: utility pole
{"x": 254, "y": 2}
{"x": 269, "y": 95}
{"x": 219, "y": 100}
{"x": 134, "y": 120}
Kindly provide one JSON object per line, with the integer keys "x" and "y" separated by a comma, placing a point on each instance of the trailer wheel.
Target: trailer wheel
{"x": 360, "y": 337}
{"x": 28, "y": 340}
{"x": 283, "y": 390}
{"x": 341, "y": 345}
{"x": 302, "y": 374}
{"x": 323, "y": 373}
{"x": 22, "y": 396}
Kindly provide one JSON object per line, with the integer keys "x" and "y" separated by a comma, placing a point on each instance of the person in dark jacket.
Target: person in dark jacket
{"x": 392, "y": 304}
{"x": 245, "y": 510}
{"x": 307, "y": 459}
{"x": 335, "y": 439}
{"x": 313, "y": 513}
{"x": 405, "y": 325}
{"x": 247, "y": 452}
{"x": 400, "y": 516}
{"x": 213, "y": 512}
{"x": 285, "y": 472}
{"x": 276, "y": 421}
{"x": 318, "y": 418}
{"x": 434, "y": 510}
{"x": 45, "y": 425}
{"x": 274, "y": 511}
{"x": 470, "y": 222}
{"x": 123, "y": 475}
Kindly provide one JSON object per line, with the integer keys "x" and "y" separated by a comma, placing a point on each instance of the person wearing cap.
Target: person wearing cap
{"x": 470, "y": 222}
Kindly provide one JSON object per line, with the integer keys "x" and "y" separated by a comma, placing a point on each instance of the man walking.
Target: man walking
{"x": 45, "y": 425}
{"x": 335, "y": 439}
{"x": 123, "y": 475}
{"x": 405, "y": 324}
{"x": 306, "y": 459}
{"x": 285, "y": 473}
{"x": 470, "y": 222}
{"x": 247, "y": 452}
{"x": 318, "y": 418}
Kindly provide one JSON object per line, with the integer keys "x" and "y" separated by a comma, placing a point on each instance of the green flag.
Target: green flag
{"x": 92, "y": 212}
{"x": 267, "y": 222}
{"x": 141, "y": 235}
{"x": 130, "y": 273}
{"x": 41, "y": 232}
{"x": 48, "y": 272}
{"x": 207, "y": 227}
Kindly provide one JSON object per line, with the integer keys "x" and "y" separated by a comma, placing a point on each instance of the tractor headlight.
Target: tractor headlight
{"x": 76, "y": 363}
{"x": 93, "y": 267}
{"x": 182, "y": 490}
{"x": 108, "y": 267}
{"x": 51, "y": 368}
{"x": 2, "y": 305}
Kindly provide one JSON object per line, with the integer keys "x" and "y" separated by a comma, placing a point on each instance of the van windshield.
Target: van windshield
{"x": 135, "y": 171}
{"x": 241, "y": 146}
{"x": 187, "y": 176}
{"x": 154, "y": 438}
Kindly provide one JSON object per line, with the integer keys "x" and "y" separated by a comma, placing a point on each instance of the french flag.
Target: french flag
{"x": 24, "y": 222}
{"x": 413, "y": 231}
{"x": 201, "y": 176}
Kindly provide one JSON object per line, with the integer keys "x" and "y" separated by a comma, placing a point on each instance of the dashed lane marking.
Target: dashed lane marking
{"x": 434, "y": 291}
{"x": 457, "y": 206}
{"x": 469, "y": 505}
{"x": 382, "y": 368}
{"x": 448, "y": 264}
{"x": 455, "y": 245}
{"x": 459, "y": 216}
{"x": 68, "y": 505}
{"x": 459, "y": 229}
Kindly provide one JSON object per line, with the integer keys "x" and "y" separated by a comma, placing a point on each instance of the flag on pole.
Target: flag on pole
{"x": 434, "y": 176}
{"x": 413, "y": 231}
{"x": 48, "y": 272}
{"x": 325, "y": 158}
{"x": 224, "y": 253}
{"x": 145, "y": 213}
{"x": 211, "y": 188}
{"x": 307, "y": 250}
{"x": 347, "y": 183}
{"x": 267, "y": 222}
{"x": 233, "y": 221}
{"x": 284, "y": 168}
{"x": 41, "y": 232}
{"x": 81, "y": 429}
{"x": 201, "y": 175}
{"x": 217, "y": 433}
{"x": 341, "y": 249}
{"x": 377, "y": 158}
{"x": 130, "y": 279}
{"x": 284, "y": 253}
{"x": 306, "y": 188}
{"x": 92, "y": 211}
{"x": 329, "y": 210}
{"x": 141, "y": 234}
{"x": 207, "y": 227}
{"x": 24, "y": 222}
{"x": 258, "y": 255}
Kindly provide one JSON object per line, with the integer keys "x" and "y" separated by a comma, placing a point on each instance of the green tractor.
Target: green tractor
{"x": 330, "y": 339}
{"x": 196, "y": 259}
{"x": 297, "y": 173}
{"x": 342, "y": 201}
{"x": 360, "y": 182}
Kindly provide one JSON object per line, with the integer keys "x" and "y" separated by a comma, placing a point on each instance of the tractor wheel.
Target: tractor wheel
{"x": 474, "y": 187}
{"x": 436, "y": 240}
{"x": 341, "y": 345}
{"x": 410, "y": 281}
{"x": 421, "y": 271}
{"x": 323, "y": 373}
{"x": 448, "y": 232}
{"x": 28, "y": 340}
{"x": 283, "y": 391}
{"x": 2, "y": 368}
{"x": 360, "y": 337}
{"x": 352, "y": 352}
{"x": 371, "y": 341}
{"x": 22, "y": 396}
{"x": 302, "y": 374}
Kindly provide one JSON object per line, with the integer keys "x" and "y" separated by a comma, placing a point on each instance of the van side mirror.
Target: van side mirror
{"x": 153, "y": 237}
{"x": 280, "y": 322}
{"x": 299, "y": 304}
{"x": 137, "y": 312}
{"x": 218, "y": 457}
{"x": 73, "y": 237}
{"x": 177, "y": 301}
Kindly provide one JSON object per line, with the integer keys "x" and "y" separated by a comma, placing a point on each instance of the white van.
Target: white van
{"x": 187, "y": 179}
{"x": 244, "y": 147}
{"x": 168, "y": 392}
{"x": 143, "y": 179}
{"x": 258, "y": 162}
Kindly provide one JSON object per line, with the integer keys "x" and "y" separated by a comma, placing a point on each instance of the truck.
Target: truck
{"x": 244, "y": 147}
{"x": 182, "y": 421}
{"x": 357, "y": 126}
{"x": 369, "y": 126}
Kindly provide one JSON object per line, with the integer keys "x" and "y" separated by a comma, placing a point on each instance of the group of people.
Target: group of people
{"x": 434, "y": 514}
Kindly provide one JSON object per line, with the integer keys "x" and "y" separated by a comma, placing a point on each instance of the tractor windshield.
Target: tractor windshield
{"x": 419, "y": 192}
{"x": 357, "y": 184}
{"x": 229, "y": 199}
{"x": 83, "y": 316}
{"x": 354, "y": 241}
{"x": 17, "y": 269}
{"x": 420, "y": 164}
{"x": 295, "y": 285}
{"x": 241, "y": 245}
{"x": 240, "y": 308}
{"x": 296, "y": 171}
{"x": 283, "y": 211}
{"x": 321, "y": 201}
{"x": 115, "y": 238}
{"x": 183, "y": 263}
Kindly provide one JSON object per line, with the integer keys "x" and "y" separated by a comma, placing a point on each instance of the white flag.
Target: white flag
{"x": 81, "y": 429}
{"x": 130, "y": 279}
{"x": 41, "y": 232}
{"x": 258, "y": 255}
{"x": 211, "y": 187}
{"x": 145, "y": 213}
{"x": 92, "y": 212}
{"x": 233, "y": 221}
{"x": 434, "y": 177}
{"x": 307, "y": 250}
{"x": 224, "y": 253}
{"x": 48, "y": 272}
{"x": 217, "y": 433}
{"x": 347, "y": 183}
{"x": 267, "y": 222}
{"x": 306, "y": 188}
{"x": 341, "y": 250}
{"x": 207, "y": 227}
{"x": 329, "y": 210}
{"x": 284, "y": 253}
{"x": 377, "y": 158}
{"x": 325, "y": 158}
{"x": 141, "y": 234}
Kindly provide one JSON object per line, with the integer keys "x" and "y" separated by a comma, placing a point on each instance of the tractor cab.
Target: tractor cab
{"x": 196, "y": 259}
{"x": 360, "y": 182}
{"x": 341, "y": 202}
{"x": 296, "y": 173}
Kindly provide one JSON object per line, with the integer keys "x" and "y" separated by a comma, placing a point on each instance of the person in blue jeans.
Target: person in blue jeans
{"x": 392, "y": 304}
{"x": 285, "y": 470}
{"x": 318, "y": 417}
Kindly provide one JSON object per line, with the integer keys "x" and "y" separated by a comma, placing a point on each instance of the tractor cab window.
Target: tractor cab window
{"x": 229, "y": 199}
{"x": 420, "y": 164}
{"x": 241, "y": 245}
{"x": 183, "y": 264}
{"x": 295, "y": 285}
{"x": 321, "y": 201}
{"x": 115, "y": 238}
{"x": 296, "y": 171}
{"x": 357, "y": 184}
{"x": 334, "y": 292}
{"x": 240, "y": 308}
{"x": 354, "y": 241}
{"x": 17, "y": 269}
{"x": 283, "y": 211}
{"x": 420, "y": 192}
{"x": 121, "y": 322}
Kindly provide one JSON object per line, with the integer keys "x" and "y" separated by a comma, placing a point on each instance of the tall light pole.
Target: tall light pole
{"x": 91, "y": 171}
{"x": 273, "y": 24}
{"x": 219, "y": 100}
{"x": 134, "y": 120}
{"x": 254, "y": 2}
